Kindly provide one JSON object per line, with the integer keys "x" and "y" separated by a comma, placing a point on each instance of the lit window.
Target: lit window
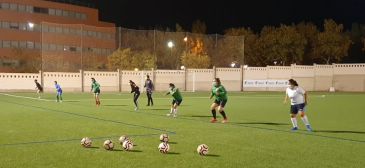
{"x": 58, "y": 29}
{"x": 66, "y": 30}
{"x": 37, "y": 46}
{"x": 52, "y": 11}
{"x": 58, "y": 12}
{"x": 14, "y": 44}
{"x": 30, "y": 44}
{"x": 13, "y": 6}
{"x": 23, "y": 44}
{"x": 5, "y": 6}
{"x": 29, "y": 9}
{"x": 5, "y": 25}
{"x": 65, "y": 13}
{"x": 6, "y": 44}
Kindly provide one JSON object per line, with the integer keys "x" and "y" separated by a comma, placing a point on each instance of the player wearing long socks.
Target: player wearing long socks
{"x": 95, "y": 88}
{"x": 39, "y": 88}
{"x": 298, "y": 99}
{"x": 135, "y": 90}
{"x": 220, "y": 94}
{"x": 176, "y": 101}
{"x": 59, "y": 92}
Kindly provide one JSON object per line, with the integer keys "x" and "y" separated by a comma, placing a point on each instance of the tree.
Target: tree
{"x": 199, "y": 27}
{"x": 332, "y": 44}
{"x": 283, "y": 44}
{"x": 179, "y": 28}
{"x": 193, "y": 60}
{"x": 28, "y": 61}
{"x": 126, "y": 59}
{"x": 310, "y": 32}
{"x": 239, "y": 44}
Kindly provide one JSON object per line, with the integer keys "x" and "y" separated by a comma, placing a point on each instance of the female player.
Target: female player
{"x": 176, "y": 101}
{"x": 39, "y": 88}
{"x": 220, "y": 94}
{"x": 59, "y": 92}
{"x": 298, "y": 99}
{"x": 149, "y": 88}
{"x": 135, "y": 90}
{"x": 95, "y": 88}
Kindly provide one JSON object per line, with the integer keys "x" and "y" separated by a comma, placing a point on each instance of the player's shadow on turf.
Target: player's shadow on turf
{"x": 116, "y": 150}
{"x": 137, "y": 151}
{"x": 346, "y": 132}
{"x": 202, "y": 116}
{"x": 173, "y": 153}
{"x": 212, "y": 155}
{"x": 72, "y": 101}
{"x": 260, "y": 123}
{"x": 113, "y": 105}
{"x": 162, "y": 109}
{"x": 93, "y": 147}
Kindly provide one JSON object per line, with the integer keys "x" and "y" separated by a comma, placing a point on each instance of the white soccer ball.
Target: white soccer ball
{"x": 86, "y": 142}
{"x": 108, "y": 145}
{"x": 127, "y": 145}
{"x": 164, "y": 138}
{"x": 123, "y": 138}
{"x": 164, "y": 147}
{"x": 203, "y": 149}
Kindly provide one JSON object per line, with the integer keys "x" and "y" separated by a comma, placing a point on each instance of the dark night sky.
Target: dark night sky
{"x": 220, "y": 15}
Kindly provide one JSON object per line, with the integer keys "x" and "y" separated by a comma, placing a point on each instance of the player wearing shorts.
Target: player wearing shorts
{"x": 59, "y": 92}
{"x": 220, "y": 94}
{"x": 298, "y": 99}
{"x": 95, "y": 88}
{"x": 176, "y": 101}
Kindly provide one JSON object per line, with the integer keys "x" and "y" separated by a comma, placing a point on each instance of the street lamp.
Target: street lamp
{"x": 182, "y": 67}
{"x": 186, "y": 39}
{"x": 170, "y": 44}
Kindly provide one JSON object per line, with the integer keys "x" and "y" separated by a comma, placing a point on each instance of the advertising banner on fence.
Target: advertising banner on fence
{"x": 266, "y": 83}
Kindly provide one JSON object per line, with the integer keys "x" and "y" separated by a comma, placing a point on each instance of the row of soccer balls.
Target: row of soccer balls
{"x": 127, "y": 144}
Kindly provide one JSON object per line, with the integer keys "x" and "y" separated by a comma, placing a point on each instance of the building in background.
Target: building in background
{"x": 53, "y": 36}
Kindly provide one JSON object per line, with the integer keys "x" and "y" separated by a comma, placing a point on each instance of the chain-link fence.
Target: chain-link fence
{"x": 74, "y": 47}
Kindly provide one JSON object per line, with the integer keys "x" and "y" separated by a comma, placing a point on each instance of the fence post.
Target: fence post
{"x": 314, "y": 76}
{"x": 82, "y": 79}
{"x": 185, "y": 78}
{"x": 333, "y": 75}
{"x": 154, "y": 78}
{"x": 119, "y": 80}
{"x": 214, "y": 72}
{"x": 241, "y": 77}
{"x": 41, "y": 78}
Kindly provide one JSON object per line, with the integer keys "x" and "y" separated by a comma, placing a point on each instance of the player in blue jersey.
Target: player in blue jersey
{"x": 59, "y": 92}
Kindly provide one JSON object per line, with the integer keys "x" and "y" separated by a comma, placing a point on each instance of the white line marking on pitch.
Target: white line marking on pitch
{"x": 25, "y": 97}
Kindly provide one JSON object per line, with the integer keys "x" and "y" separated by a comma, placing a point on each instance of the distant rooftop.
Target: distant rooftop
{"x": 84, "y": 3}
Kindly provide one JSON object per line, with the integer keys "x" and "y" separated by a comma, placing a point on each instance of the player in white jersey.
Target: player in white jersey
{"x": 298, "y": 99}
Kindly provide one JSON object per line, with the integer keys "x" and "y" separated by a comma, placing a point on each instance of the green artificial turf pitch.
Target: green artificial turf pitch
{"x": 42, "y": 133}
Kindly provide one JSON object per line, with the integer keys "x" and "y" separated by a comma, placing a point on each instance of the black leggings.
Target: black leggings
{"x": 150, "y": 100}
{"x": 135, "y": 99}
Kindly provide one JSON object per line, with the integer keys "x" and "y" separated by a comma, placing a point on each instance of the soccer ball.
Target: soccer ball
{"x": 123, "y": 138}
{"x": 127, "y": 145}
{"x": 164, "y": 147}
{"x": 164, "y": 138}
{"x": 108, "y": 145}
{"x": 202, "y": 149}
{"x": 86, "y": 142}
